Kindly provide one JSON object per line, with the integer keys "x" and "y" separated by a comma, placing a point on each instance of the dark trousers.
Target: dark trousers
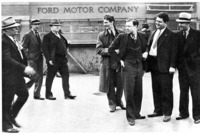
{"x": 114, "y": 96}
{"x": 162, "y": 84}
{"x": 162, "y": 92}
{"x": 51, "y": 72}
{"x": 186, "y": 82}
{"x": 133, "y": 89}
{"x": 38, "y": 67}
{"x": 11, "y": 108}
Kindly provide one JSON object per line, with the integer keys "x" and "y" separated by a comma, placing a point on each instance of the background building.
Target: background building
{"x": 81, "y": 22}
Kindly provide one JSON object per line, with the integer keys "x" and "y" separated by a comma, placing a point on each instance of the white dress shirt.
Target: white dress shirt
{"x": 158, "y": 33}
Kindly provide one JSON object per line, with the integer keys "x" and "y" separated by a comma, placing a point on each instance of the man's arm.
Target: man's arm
{"x": 100, "y": 49}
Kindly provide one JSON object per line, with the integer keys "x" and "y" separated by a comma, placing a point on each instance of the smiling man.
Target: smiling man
{"x": 110, "y": 71}
{"x": 162, "y": 64}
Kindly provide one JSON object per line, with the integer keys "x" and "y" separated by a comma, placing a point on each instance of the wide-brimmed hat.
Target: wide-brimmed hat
{"x": 55, "y": 22}
{"x": 9, "y": 22}
{"x": 35, "y": 21}
{"x": 184, "y": 17}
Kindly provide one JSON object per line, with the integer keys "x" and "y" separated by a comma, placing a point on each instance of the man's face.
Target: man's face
{"x": 35, "y": 26}
{"x": 183, "y": 26}
{"x": 160, "y": 24}
{"x": 130, "y": 28}
{"x": 55, "y": 28}
{"x": 13, "y": 31}
{"x": 107, "y": 24}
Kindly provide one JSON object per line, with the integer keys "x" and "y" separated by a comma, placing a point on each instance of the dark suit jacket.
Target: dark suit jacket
{"x": 50, "y": 42}
{"x": 13, "y": 65}
{"x": 167, "y": 50}
{"x": 121, "y": 43}
{"x": 31, "y": 46}
{"x": 189, "y": 53}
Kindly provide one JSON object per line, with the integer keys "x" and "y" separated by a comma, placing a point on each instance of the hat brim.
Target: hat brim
{"x": 178, "y": 20}
{"x": 54, "y": 24}
{"x": 11, "y": 26}
{"x": 35, "y": 23}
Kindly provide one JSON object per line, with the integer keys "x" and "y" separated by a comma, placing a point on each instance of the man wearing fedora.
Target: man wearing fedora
{"x": 13, "y": 70}
{"x": 55, "y": 51}
{"x": 32, "y": 47}
{"x": 188, "y": 65}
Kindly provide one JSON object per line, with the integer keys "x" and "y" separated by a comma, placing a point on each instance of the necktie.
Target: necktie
{"x": 184, "y": 34}
{"x": 37, "y": 36}
{"x": 156, "y": 36}
{"x": 19, "y": 47}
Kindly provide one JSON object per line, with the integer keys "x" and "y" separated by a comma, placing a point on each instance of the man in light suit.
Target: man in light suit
{"x": 188, "y": 67}
{"x": 162, "y": 63}
{"x": 55, "y": 48}
{"x": 32, "y": 47}
{"x": 13, "y": 70}
{"x": 132, "y": 52}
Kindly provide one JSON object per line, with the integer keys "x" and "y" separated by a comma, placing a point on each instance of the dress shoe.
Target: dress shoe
{"x": 112, "y": 108}
{"x": 155, "y": 115}
{"x": 121, "y": 105}
{"x": 51, "y": 98}
{"x": 70, "y": 97}
{"x": 38, "y": 98}
{"x": 131, "y": 123}
{"x": 166, "y": 118}
{"x": 11, "y": 130}
{"x": 181, "y": 118}
{"x": 14, "y": 122}
{"x": 197, "y": 121}
{"x": 140, "y": 117}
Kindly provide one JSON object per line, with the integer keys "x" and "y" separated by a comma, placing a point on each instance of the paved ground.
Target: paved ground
{"x": 89, "y": 113}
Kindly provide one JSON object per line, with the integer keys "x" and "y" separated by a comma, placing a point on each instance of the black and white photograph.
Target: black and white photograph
{"x": 100, "y": 67}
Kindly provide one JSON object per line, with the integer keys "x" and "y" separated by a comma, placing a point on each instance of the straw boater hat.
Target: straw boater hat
{"x": 9, "y": 22}
{"x": 55, "y": 22}
{"x": 184, "y": 17}
{"x": 35, "y": 21}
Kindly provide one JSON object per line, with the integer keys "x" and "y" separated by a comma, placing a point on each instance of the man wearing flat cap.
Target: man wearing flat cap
{"x": 32, "y": 47}
{"x": 55, "y": 51}
{"x": 188, "y": 65}
{"x": 13, "y": 70}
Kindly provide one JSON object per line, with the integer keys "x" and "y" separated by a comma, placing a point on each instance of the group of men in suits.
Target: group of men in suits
{"x": 164, "y": 52}
{"x": 26, "y": 60}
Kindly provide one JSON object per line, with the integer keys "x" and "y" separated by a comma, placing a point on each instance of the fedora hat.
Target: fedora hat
{"x": 184, "y": 17}
{"x": 9, "y": 22}
{"x": 35, "y": 21}
{"x": 55, "y": 22}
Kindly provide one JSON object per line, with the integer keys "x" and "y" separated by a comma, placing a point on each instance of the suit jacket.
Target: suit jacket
{"x": 189, "y": 52}
{"x": 167, "y": 50}
{"x": 31, "y": 46}
{"x": 13, "y": 65}
{"x": 121, "y": 43}
{"x": 50, "y": 42}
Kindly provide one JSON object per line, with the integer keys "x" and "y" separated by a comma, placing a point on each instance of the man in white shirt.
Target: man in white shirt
{"x": 162, "y": 64}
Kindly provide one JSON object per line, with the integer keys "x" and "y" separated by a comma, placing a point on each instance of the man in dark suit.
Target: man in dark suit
{"x": 55, "y": 48}
{"x": 162, "y": 63}
{"x": 132, "y": 51}
{"x": 13, "y": 70}
{"x": 110, "y": 71}
{"x": 188, "y": 67}
{"x": 32, "y": 47}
